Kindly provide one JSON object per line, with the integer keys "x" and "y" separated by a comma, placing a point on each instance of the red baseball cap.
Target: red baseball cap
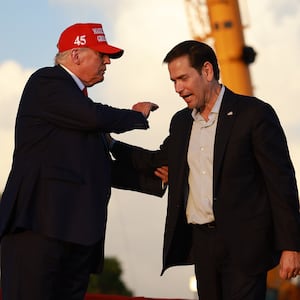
{"x": 87, "y": 35}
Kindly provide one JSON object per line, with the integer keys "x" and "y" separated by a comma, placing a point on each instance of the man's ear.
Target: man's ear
{"x": 75, "y": 56}
{"x": 208, "y": 70}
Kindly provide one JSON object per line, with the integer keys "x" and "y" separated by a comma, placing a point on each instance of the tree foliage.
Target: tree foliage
{"x": 109, "y": 281}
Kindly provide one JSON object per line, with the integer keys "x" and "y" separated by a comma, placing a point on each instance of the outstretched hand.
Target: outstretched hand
{"x": 145, "y": 108}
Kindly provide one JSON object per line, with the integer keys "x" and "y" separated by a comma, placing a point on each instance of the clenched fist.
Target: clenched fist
{"x": 145, "y": 108}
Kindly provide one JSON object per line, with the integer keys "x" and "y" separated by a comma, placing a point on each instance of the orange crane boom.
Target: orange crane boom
{"x": 220, "y": 21}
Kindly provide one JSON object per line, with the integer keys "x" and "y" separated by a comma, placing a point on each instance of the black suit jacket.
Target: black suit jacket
{"x": 61, "y": 176}
{"x": 255, "y": 197}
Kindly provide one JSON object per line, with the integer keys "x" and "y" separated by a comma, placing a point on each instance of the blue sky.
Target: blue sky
{"x": 146, "y": 30}
{"x": 28, "y": 27}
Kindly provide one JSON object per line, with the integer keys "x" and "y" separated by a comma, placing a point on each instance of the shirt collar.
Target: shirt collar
{"x": 217, "y": 105}
{"x": 76, "y": 79}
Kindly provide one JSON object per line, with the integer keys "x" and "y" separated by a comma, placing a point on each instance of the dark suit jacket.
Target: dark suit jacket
{"x": 255, "y": 197}
{"x": 61, "y": 176}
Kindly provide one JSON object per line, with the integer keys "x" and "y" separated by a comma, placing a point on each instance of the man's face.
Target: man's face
{"x": 92, "y": 66}
{"x": 188, "y": 83}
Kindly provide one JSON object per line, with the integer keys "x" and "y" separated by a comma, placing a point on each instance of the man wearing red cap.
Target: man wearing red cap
{"x": 54, "y": 207}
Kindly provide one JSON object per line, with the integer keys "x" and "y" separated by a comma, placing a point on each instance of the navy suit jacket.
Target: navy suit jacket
{"x": 62, "y": 173}
{"x": 255, "y": 197}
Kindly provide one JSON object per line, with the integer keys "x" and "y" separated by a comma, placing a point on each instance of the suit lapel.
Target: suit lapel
{"x": 186, "y": 131}
{"x": 180, "y": 134}
{"x": 183, "y": 144}
{"x": 227, "y": 115}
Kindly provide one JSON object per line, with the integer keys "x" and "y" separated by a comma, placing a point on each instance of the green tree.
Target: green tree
{"x": 109, "y": 281}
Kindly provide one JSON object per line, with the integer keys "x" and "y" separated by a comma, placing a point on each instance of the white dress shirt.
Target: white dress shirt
{"x": 200, "y": 160}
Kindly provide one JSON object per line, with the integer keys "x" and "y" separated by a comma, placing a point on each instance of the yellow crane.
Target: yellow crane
{"x": 218, "y": 22}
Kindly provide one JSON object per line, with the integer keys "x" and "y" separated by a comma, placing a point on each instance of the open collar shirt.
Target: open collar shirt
{"x": 200, "y": 160}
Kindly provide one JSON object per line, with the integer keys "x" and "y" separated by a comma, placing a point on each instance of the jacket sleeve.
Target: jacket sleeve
{"x": 140, "y": 158}
{"x": 279, "y": 175}
{"x": 51, "y": 96}
{"x": 126, "y": 177}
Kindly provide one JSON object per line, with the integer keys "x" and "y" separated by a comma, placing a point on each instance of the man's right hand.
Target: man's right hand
{"x": 162, "y": 172}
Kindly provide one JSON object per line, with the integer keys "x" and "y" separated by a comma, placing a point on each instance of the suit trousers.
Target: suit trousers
{"x": 216, "y": 277}
{"x": 35, "y": 267}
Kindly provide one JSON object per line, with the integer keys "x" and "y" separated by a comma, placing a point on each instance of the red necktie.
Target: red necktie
{"x": 85, "y": 92}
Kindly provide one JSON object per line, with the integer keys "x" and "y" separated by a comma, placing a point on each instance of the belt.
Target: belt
{"x": 210, "y": 225}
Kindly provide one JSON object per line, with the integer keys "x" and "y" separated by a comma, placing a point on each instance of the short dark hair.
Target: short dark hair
{"x": 198, "y": 54}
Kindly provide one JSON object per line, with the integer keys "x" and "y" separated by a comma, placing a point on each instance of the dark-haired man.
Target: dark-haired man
{"x": 233, "y": 207}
